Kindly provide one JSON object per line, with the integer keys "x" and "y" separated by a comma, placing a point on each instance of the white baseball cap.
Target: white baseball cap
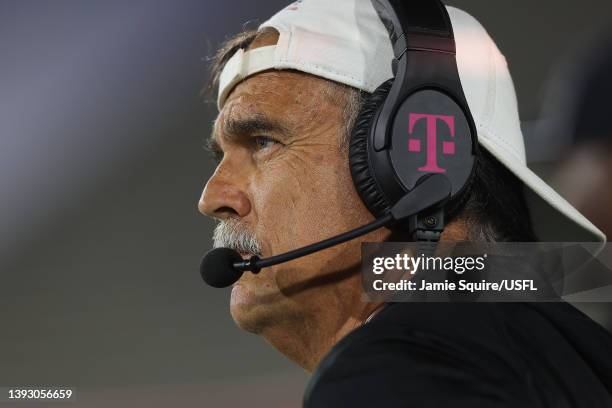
{"x": 345, "y": 41}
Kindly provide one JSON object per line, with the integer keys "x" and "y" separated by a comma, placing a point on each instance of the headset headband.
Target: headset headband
{"x": 419, "y": 123}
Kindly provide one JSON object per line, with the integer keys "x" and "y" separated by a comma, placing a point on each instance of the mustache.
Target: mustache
{"x": 232, "y": 233}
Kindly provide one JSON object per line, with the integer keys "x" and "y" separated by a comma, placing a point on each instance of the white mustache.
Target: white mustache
{"x": 233, "y": 234}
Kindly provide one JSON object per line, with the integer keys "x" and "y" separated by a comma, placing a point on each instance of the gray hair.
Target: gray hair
{"x": 232, "y": 233}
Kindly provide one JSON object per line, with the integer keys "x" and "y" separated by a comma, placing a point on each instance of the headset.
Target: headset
{"x": 413, "y": 145}
{"x": 418, "y": 123}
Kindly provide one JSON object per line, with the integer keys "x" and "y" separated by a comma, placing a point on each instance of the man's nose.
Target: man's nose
{"x": 223, "y": 198}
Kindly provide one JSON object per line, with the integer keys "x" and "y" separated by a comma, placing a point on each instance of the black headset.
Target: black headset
{"x": 418, "y": 123}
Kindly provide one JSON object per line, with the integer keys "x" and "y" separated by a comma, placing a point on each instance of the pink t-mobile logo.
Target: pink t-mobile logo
{"x": 414, "y": 145}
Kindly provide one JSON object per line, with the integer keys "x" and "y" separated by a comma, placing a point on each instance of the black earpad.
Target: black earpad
{"x": 369, "y": 190}
{"x": 364, "y": 181}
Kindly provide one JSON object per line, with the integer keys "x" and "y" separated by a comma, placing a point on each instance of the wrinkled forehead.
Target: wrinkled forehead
{"x": 292, "y": 99}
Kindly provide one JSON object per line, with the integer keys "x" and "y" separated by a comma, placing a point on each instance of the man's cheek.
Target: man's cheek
{"x": 276, "y": 205}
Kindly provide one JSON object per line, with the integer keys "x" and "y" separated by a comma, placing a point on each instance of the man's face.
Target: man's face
{"x": 284, "y": 177}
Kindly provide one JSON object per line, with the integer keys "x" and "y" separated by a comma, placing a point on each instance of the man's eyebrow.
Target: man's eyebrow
{"x": 233, "y": 126}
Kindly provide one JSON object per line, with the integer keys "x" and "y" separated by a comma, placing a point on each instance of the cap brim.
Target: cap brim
{"x": 553, "y": 218}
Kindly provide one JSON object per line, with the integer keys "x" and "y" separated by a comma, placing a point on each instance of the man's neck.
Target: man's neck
{"x": 307, "y": 343}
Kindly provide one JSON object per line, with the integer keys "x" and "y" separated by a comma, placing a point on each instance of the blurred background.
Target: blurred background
{"x": 101, "y": 167}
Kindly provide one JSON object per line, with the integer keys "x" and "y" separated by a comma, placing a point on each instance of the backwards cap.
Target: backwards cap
{"x": 345, "y": 41}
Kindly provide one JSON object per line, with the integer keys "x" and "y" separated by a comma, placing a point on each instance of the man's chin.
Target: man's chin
{"x": 250, "y": 311}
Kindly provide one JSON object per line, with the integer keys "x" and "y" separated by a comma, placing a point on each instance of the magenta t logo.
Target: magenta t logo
{"x": 414, "y": 145}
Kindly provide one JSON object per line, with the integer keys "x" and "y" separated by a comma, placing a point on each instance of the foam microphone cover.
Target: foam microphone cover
{"x": 217, "y": 267}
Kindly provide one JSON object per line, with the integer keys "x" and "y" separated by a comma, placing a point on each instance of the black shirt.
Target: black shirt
{"x": 468, "y": 355}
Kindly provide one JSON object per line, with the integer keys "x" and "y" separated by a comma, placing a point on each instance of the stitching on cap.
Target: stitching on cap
{"x": 505, "y": 145}
{"x": 303, "y": 63}
{"x": 490, "y": 106}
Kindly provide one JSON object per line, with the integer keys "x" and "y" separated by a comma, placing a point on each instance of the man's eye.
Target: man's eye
{"x": 214, "y": 150}
{"x": 262, "y": 142}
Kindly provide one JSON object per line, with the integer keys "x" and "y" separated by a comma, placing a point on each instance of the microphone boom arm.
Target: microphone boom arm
{"x": 432, "y": 190}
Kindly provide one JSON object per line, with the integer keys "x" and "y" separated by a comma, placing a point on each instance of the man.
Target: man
{"x": 283, "y": 182}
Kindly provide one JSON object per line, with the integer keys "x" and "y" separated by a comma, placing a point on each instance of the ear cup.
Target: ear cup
{"x": 363, "y": 179}
{"x": 365, "y": 183}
